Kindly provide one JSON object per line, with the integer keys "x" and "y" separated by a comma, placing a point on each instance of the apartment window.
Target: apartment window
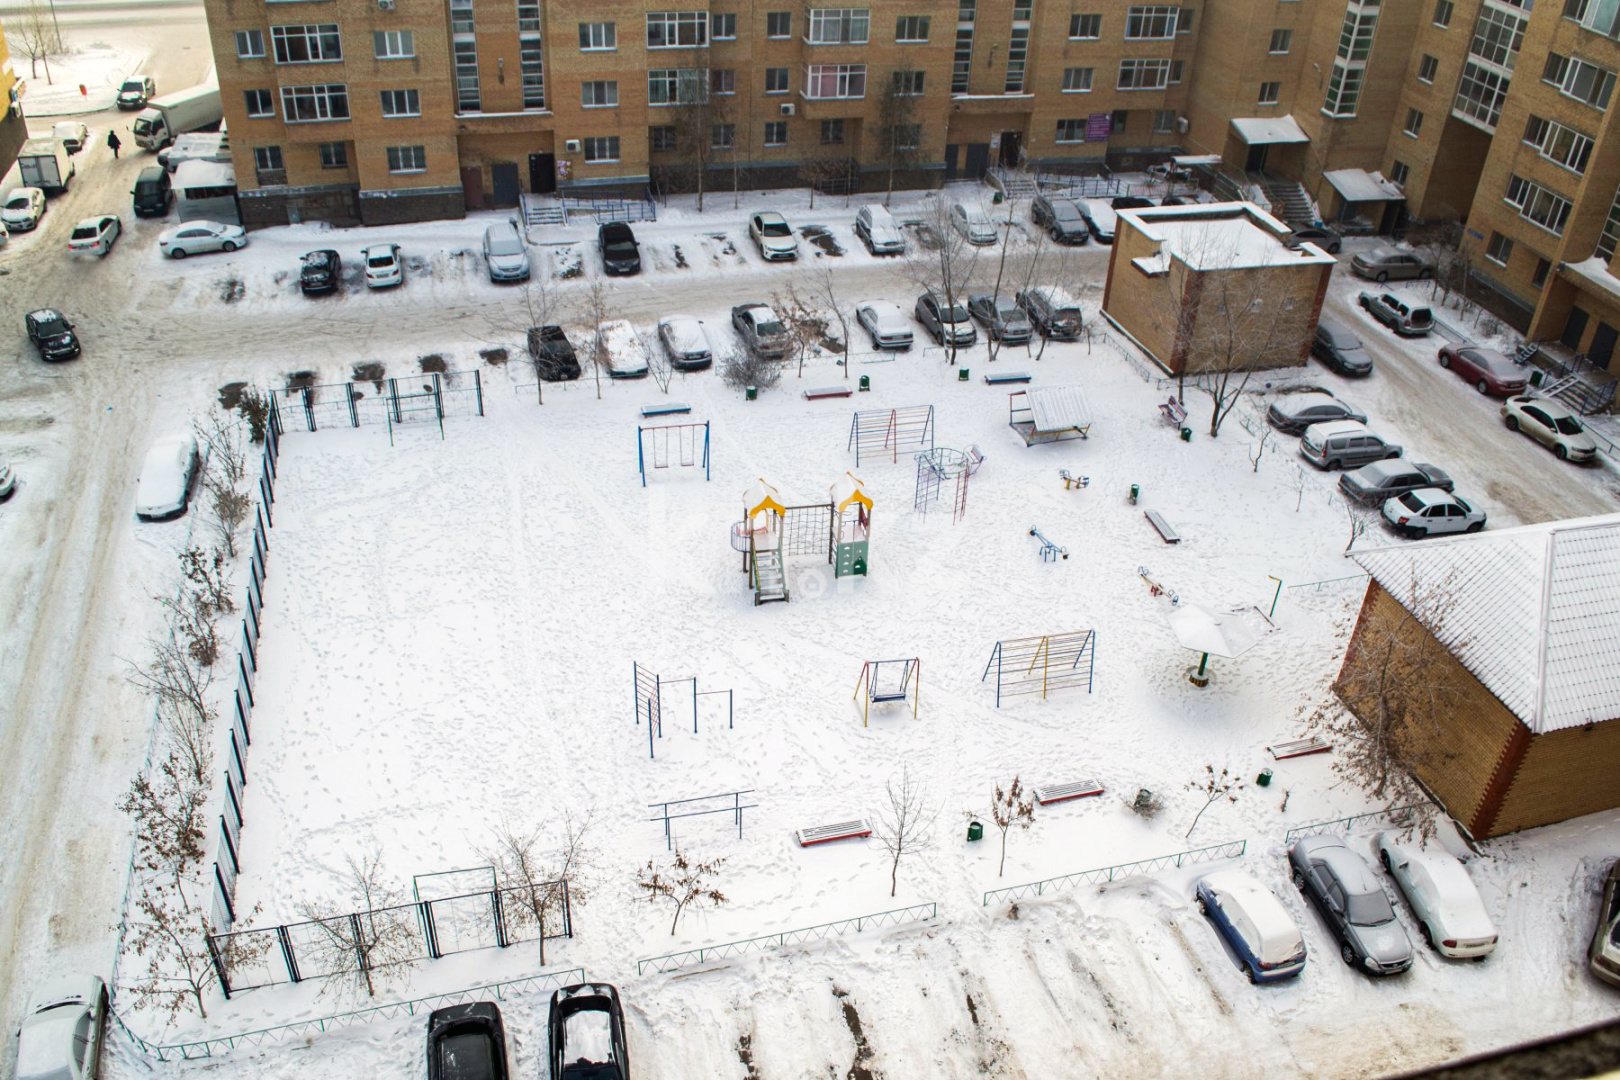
{"x": 464, "y": 53}
{"x": 531, "y": 62}
{"x": 1535, "y": 203}
{"x": 962, "y": 60}
{"x": 776, "y": 133}
{"x": 1017, "y": 59}
{"x": 722, "y": 136}
{"x": 1151, "y": 23}
{"x": 723, "y": 27}
{"x": 676, "y": 86}
{"x": 908, "y": 83}
{"x": 835, "y": 81}
{"x": 267, "y": 159}
{"x": 1270, "y": 93}
{"x": 778, "y": 24}
{"x": 599, "y": 94}
{"x": 1077, "y": 80}
{"x": 249, "y": 44}
{"x": 1175, "y": 73}
{"x": 598, "y": 35}
{"x": 599, "y": 149}
{"x": 776, "y": 80}
{"x": 334, "y": 155}
{"x": 1022, "y": 9}
{"x": 1480, "y": 93}
{"x": 1356, "y": 35}
{"x": 1499, "y": 250}
{"x": 315, "y": 44}
{"x": 1609, "y": 241}
{"x": 1281, "y": 41}
{"x": 301, "y": 104}
{"x": 838, "y": 26}
{"x": 260, "y": 102}
{"x": 1498, "y": 36}
{"x": 1164, "y": 121}
{"x": 401, "y": 103}
{"x": 1399, "y": 171}
{"x": 1344, "y": 89}
{"x": 1144, "y": 74}
{"x": 393, "y": 44}
{"x": 832, "y": 133}
{"x": 722, "y": 81}
{"x": 1414, "y": 122}
{"x": 528, "y": 16}
{"x": 1117, "y": 121}
{"x": 1184, "y": 20}
{"x": 1442, "y": 13}
{"x": 461, "y": 17}
{"x": 1071, "y": 131}
{"x": 911, "y": 28}
{"x": 677, "y": 29}
{"x": 661, "y": 138}
{"x": 1584, "y": 82}
{"x": 407, "y": 159}
{"x": 1560, "y": 144}
{"x": 1427, "y": 68}
{"x": 908, "y": 136}
{"x": 1538, "y": 279}
{"x": 1085, "y": 27}
{"x": 1599, "y": 16}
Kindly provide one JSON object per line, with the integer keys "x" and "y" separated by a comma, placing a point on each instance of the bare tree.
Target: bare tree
{"x": 36, "y": 37}
{"x": 253, "y": 405}
{"x": 595, "y": 309}
{"x": 899, "y": 132}
{"x": 180, "y": 689}
{"x": 1298, "y": 481}
{"x": 1357, "y": 518}
{"x": 538, "y": 884}
{"x": 903, "y": 825}
{"x": 372, "y": 946}
{"x": 804, "y": 326}
{"x": 1010, "y": 807}
{"x": 828, "y": 167}
{"x": 172, "y": 937}
{"x": 1257, "y": 449}
{"x": 685, "y": 884}
{"x": 743, "y": 367}
{"x": 1214, "y": 787}
{"x": 656, "y": 359}
{"x": 704, "y": 129}
{"x": 168, "y": 804}
{"x": 823, "y": 287}
{"x": 942, "y": 261}
{"x": 224, "y": 478}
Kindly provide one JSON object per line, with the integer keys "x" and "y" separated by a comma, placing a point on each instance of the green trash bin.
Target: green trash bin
{"x": 975, "y": 831}
{"x": 1186, "y": 434}
{"x": 866, "y": 382}
{"x": 752, "y": 393}
{"x": 962, "y": 374}
{"x": 1136, "y": 489}
{"x": 1537, "y": 377}
{"x": 1264, "y": 779}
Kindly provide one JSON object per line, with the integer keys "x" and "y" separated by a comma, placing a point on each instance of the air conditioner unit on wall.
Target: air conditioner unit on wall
{"x": 1181, "y": 125}
{"x": 571, "y": 146}
{"x": 385, "y": 5}
{"x": 789, "y": 109}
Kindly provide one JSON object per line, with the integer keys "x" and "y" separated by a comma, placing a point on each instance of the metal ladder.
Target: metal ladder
{"x": 769, "y": 583}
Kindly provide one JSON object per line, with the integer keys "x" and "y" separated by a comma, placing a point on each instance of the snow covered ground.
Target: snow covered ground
{"x": 99, "y": 67}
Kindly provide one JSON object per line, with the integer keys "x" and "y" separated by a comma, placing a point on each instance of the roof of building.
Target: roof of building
{"x": 1532, "y": 612}
{"x": 200, "y": 173}
{"x": 1269, "y": 130}
{"x": 1359, "y": 185}
{"x": 1220, "y": 236}
{"x": 1595, "y": 272}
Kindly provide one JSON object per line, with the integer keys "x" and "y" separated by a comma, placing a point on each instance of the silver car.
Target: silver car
{"x": 1386, "y": 264}
{"x": 886, "y": 323}
{"x": 505, "y": 254}
{"x": 949, "y": 323}
{"x": 1001, "y": 318}
{"x": 1342, "y": 887}
{"x": 62, "y": 1033}
{"x": 1604, "y": 952}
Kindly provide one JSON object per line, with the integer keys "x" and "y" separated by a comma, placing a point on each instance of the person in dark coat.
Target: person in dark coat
{"x": 113, "y": 144}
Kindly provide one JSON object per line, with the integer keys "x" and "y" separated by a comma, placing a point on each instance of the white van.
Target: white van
{"x": 876, "y": 227}
{"x": 504, "y": 253}
{"x": 1254, "y": 923}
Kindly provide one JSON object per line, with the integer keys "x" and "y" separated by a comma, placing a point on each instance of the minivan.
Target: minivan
{"x": 153, "y": 191}
{"x": 504, "y": 253}
{"x": 1344, "y": 444}
{"x": 877, "y": 229}
{"x": 1254, "y": 923}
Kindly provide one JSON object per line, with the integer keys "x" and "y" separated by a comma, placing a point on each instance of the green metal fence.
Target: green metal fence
{"x": 690, "y": 957}
{"x": 1231, "y": 850}
{"x": 1398, "y": 816}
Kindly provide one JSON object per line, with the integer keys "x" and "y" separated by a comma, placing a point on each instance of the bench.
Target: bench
{"x": 826, "y": 834}
{"x": 817, "y": 393}
{"x": 1300, "y": 748}
{"x": 1072, "y": 482}
{"x": 1165, "y": 529}
{"x": 975, "y": 458}
{"x": 1001, "y": 378}
{"x": 1173, "y": 411}
{"x": 1057, "y": 793}
{"x": 669, "y": 408}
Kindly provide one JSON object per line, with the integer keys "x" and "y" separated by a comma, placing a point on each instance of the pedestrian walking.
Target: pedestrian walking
{"x": 113, "y": 144}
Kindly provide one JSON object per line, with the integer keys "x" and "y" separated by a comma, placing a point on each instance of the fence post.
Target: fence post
{"x": 219, "y": 968}
{"x": 478, "y": 385}
{"x": 354, "y": 414}
{"x": 359, "y": 949}
{"x": 495, "y": 910}
{"x": 288, "y": 957}
{"x": 230, "y": 909}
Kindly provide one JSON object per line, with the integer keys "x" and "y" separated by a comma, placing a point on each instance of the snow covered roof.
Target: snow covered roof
{"x": 1535, "y": 613}
{"x": 1219, "y": 236}
{"x": 1595, "y": 272}
{"x": 847, "y": 489}
{"x": 1197, "y": 159}
{"x": 1269, "y": 130}
{"x": 1359, "y": 185}
{"x": 1059, "y": 408}
{"x": 200, "y": 173}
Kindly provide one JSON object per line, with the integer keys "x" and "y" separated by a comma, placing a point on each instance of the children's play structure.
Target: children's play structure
{"x": 1040, "y": 665}
{"x": 1049, "y": 414}
{"x": 770, "y": 532}
{"x": 852, "y": 525}
{"x": 1050, "y": 552}
{"x": 665, "y": 446}
{"x": 941, "y": 465}
{"x": 889, "y": 431}
{"x": 650, "y": 687}
{"x": 888, "y": 682}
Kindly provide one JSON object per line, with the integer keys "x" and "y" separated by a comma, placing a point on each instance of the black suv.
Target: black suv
{"x": 552, "y": 354}
{"x": 620, "y": 252}
{"x": 321, "y": 272}
{"x": 153, "y": 191}
{"x": 1061, "y": 219}
{"x": 1053, "y": 314}
{"x": 51, "y": 334}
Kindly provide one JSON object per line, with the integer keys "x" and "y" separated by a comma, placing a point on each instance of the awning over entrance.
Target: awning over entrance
{"x": 1269, "y": 130}
{"x": 1359, "y": 185}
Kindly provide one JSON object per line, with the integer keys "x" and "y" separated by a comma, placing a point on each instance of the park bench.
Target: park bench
{"x": 1002, "y": 378}
{"x": 826, "y": 834}
{"x": 1300, "y": 747}
{"x": 1173, "y": 411}
{"x": 668, "y": 408}
{"x": 1166, "y": 530}
{"x": 819, "y": 392}
{"x": 1057, "y": 793}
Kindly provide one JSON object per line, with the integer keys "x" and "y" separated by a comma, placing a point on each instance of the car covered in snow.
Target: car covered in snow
{"x": 586, "y": 1026}
{"x": 164, "y": 487}
{"x": 62, "y": 1031}
{"x": 95, "y": 236}
{"x": 467, "y": 1042}
{"x": 1100, "y": 219}
{"x": 320, "y": 272}
{"x": 685, "y": 342}
{"x": 620, "y": 349}
{"x": 1432, "y": 512}
{"x": 1380, "y": 481}
{"x": 1293, "y": 413}
{"x": 198, "y": 237}
{"x": 51, "y": 334}
{"x": 760, "y": 329}
{"x": 885, "y": 323}
{"x": 1442, "y": 896}
{"x": 552, "y": 354}
{"x": 1345, "y": 892}
{"x": 73, "y": 133}
{"x": 1053, "y": 312}
{"x": 621, "y": 254}
{"x": 1383, "y": 264}
{"x": 948, "y": 323}
{"x": 1603, "y": 954}
{"x": 23, "y": 208}
{"x": 1001, "y": 318}
{"x": 1254, "y": 923}
{"x": 974, "y": 225}
{"x": 1340, "y": 349}
{"x": 1061, "y": 219}
{"x": 774, "y": 237}
{"x": 1491, "y": 372}
{"x": 1552, "y": 424}
{"x": 504, "y": 253}
{"x": 877, "y": 229}
{"x": 384, "y": 267}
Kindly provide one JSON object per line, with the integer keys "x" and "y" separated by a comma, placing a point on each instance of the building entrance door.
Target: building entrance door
{"x": 1574, "y": 329}
{"x": 1602, "y": 350}
{"x": 542, "y": 173}
{"x": 1011, "y": 142}
{"x": 504, "y": 177}
{"x": 1256, "y": 161}
{"x": 472, "y": 186}
{"x": 978, "y": 160}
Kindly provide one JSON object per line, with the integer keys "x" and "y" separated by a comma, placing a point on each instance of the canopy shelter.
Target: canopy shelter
{"x": 1049, "y": 414}
{"x": 1269, "y": 130}
{"x": 1359, "y": 185}
{"x": 1222, "y": 633}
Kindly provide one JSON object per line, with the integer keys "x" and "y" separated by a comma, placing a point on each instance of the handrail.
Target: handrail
{"x": 688, "y": 957}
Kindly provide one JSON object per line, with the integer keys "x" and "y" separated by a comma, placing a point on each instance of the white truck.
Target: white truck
{"x": 44, "y": 163}
{"x": 174, "y": 114}
{"x": 198, "y": 146}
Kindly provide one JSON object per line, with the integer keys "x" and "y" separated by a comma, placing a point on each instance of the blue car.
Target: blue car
{"x": 1254, "y": 923}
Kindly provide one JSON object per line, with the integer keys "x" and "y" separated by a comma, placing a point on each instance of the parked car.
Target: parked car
{"x": 8, "y": 480}
{"x": 51, "y": 334}
{"x": 153, "y": 192}
{"x": 1053, "y": 312}
{"x": 73, "y": 133}
{"x": 23, "y": 209}
{"x": 1339, "y": 349}
{"x": 384, "y": 267}
{"x": 1130, "y": 202}
{"x": 1380, "y": 481}
{"x": 552, "y": 354}
{"x": 877, "y": 229}
{"x": 1344, "y": 891}
{"x": 1320, "y": 235}
{"x": 1552, "y": 424}
{"x": 1100, "y": 219}
{"x": 1604, "y": 952}
{"x": 466, "y": 1042}
{"x": 1061, "y": 219}
{"x": 63, "y": 1029}
{"x": 1383, "y": 264}
{"x": 505, "y": 254}
{"x": 136, "y": 92}
{"x": 1254, "y": 923}
{"x": 948, "y": 324}
{"x": 1491, "y": 372}
{"x": 622, "y": 350}
{"x": 95, "y": 236}
{"x": 975, "y": 226}
{"x": 685, "y": 342}
{"x": 1344, "y": 444}
{"x": 199, "y": 237}
{"x": 762, "y": 332}
{"x": 320, "y": 272}
{"x": 773, "y": 236}
{"x": 1293, "y": 413}
{"x": 1449, "y": 911}
{"x": 5, "y": 234}
{"x": 164, "y": 487}
{"x": 1003, "y": 320}
{"x": 586, "y": 1025}
{"x": 1407, "y": 320}
{"x": 885, "y": 323}
{"x": 1432, "y": 512}
{"x": 620, "y": 252}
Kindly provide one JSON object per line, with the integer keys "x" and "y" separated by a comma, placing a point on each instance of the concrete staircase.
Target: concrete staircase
{"x": 1289, "y": 201}
{"x": 1012, "y": 184}
{"x": 1581, "y": 396}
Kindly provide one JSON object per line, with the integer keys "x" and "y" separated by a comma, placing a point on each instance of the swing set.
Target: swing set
{"x": 887, "y": 682}
{"x": 664, "y": 446}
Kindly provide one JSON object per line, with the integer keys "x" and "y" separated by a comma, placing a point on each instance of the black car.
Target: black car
{"x": 587, "y": 1034}
{"x": 153, "y": 191}
{"x": 321, "y": 272}
{"x": 1380, "y": 481}
{"x": 1053, "y": 313}
{"x": 52, "y": 334}
{"x": 1341, "y": 886}
{"x": 620, "y": 252}
{"x": 552, "y": 354}
{"x": 1339, "y": 349}
{"x": 467, "y": 1042}
{"x": 1061, "y": 219}
{"x": 1293, "y": 413}
{"x": 1131, "y": 202}
{"x": 1324, "y": 238}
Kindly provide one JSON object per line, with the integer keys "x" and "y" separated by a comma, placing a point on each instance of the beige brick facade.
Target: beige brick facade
{"x": 13, "y": 128}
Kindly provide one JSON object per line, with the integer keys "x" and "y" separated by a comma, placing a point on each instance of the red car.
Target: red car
{"x": 1491, "y": 372}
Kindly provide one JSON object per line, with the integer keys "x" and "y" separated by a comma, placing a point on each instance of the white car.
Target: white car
{"x": 164, "y": 488}
{"x": 1443, "y": 897}
{"x": 8, "y": 480}
{"x": 62, "y": 1031}
{"x": 1100, "y": 218}
{"x": 773, "y": 236}
{"x": 1550, "y": 423}
{"x": 973, "y": 223}
{"x": 94, "y": 235}
{"x": 685, "y": 341}
{"x": 73, "y": 134}
{"x": 196, "y": 237}
{"x": 886, "y": 323}
{"x": 23, "y": 209}
{"x": 384, "y": 267}
{"x": 1432, "y": 512}
{"x": 625, "y": 358}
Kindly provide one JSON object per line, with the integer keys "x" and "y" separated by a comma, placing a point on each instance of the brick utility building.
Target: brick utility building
{"x": 13, "y": 127}
{"x": 1213, "y": 286}
{"x": 1529, "y": 632}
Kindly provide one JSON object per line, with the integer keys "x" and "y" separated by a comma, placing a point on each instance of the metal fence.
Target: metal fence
{"x": 1398, "y": 816}
{"x": 1233, "y": 849}
{"x": 690, "y": 957}
{"x": 1331, "y": 583}
{"x": 430, "y": 397}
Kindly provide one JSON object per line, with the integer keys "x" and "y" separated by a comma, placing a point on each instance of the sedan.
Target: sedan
{"x": 1323, "y": 237}
{"x": 948, "y": 323}
{"x": 73, "y": 133}
{"x": 1001, "y": 318}
{"x": 886, "y": 323}
{"x": 320, "y": 272}
{"x": 1339, "y": 349}
{"x": 1061, "y": 219}
{"x": 973, "y": 224}
{"x": 23, "y": 208}
{"x": 773, "y": 236}
{"x": 1385, "y": 264}
{"x": 63, "y": 1030}
{"x": 762, "y": 332}
{"x": 1380, "y": 481}
{"x": 1100, "y": 218}
{"x": 51, "y": 334}
{"x": 1341, "y": 886}
{"x": 1551, "y": 424}
{"x": 196, "y": 237}
{"x": 685, "y": 342}
{"x": 1443, "y": 897}
{"x": 466, "y": 1042}
{"x": 164, "y": 487}
{"x": 95, "y": 235}
{"x": 586, "y": 1026}
{"x": 1432, "y": 512}
{"x": 384, "y": 267}
{"x": 1254, "y": 923}
{"x": 621, "y": 252}
{"x": 1604, "y": 952}
{"x": 1294, "y": 413}
{"x": 1491, "y": 372}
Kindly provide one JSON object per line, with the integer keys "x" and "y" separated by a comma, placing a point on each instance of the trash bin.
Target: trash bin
{"x": 1136, "y": 489}
{"x": 1537, "y": 377}
{"x": 975, "y": 831}
{"x": 962, "y": 374}
{"x": 1186, "y": 434}
{"x": 866, "y": 382}
{"x": 752, "y": 393}
{"x": 1264, "y": 779}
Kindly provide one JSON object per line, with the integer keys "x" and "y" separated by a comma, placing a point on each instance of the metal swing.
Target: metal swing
{"x": 886, "y": 682}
